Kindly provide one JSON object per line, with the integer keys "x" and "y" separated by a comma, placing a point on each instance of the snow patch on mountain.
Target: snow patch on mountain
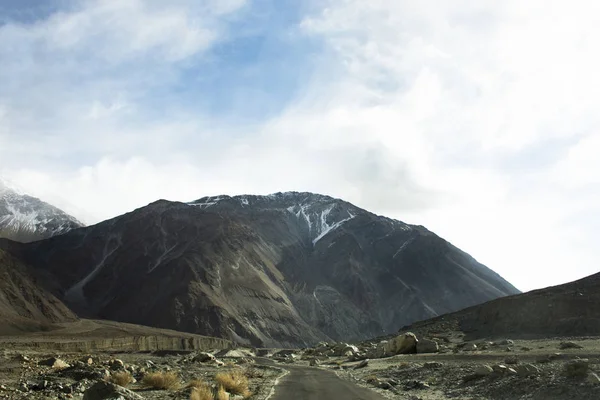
{"x": 27, "y": 218}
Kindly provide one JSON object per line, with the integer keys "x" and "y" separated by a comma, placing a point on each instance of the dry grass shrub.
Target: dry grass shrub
{"x": 161, "y": 381}
{"x": 222, "y": 394}
{"x": 234, "y": 382}
{"x": 201, "y": 393}
{"x": 121, "y": 378}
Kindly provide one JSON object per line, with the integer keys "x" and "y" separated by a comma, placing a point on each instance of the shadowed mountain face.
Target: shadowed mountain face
{"x": 24, "y": 304}
{"x": 281, "y": 270}
{"x": 565, "y": 310}
{"x": 26, "y": 219}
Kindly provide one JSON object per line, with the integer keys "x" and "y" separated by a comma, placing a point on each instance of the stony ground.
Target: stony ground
{"x": 45, "y": 375}
{"x": 501, "y": 370}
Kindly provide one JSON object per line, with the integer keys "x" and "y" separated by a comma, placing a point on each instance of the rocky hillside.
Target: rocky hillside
{"x": 24, "y": 304}
{"x": 282, "y": 270}
{"x": 565, "y": 310}
{"x": 25, "y": 219}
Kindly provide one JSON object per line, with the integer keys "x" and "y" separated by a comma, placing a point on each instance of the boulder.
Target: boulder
{"x": 427, "y": 346}
{"x": 577, "y": 368}
{"x": 106, "y": 391}
{"x": 483, "y": 370}
{"x": 470, "y": 347}
{"x": 54, "y": 363}
{"x": 433, "y": 365}
{"x": 402, "y": 344}
{"x": 593, "y": 379}
{"x": 570, "y": 345}
{"x": 500, "y": 369}
{"x": 377, "y": 351}
{"x": 526, "y": 370}
{"x": 344, "y": 349}
{"x": 512, "y": 360}
{"x": 203, "y": 357}
{"x": 116, "y": 364}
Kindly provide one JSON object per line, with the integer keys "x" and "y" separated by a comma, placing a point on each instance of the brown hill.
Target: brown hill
{"x": 24, "y": 305}
{"x": 572, "y": 309}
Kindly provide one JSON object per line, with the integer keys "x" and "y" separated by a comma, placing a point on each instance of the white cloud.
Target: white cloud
{"x": 476, "y": 120}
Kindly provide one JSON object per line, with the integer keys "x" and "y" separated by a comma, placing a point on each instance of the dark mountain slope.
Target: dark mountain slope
{"x": 572, "y": 309}
{"x": 24, "y": 304}
{"x": 286, "y": 269}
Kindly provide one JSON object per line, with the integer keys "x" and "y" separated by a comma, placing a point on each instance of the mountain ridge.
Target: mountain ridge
{"x": 26, "y": 218}
{"x": 287, "y": 269}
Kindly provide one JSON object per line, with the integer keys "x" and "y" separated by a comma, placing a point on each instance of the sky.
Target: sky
{"x": 478, "y": 120}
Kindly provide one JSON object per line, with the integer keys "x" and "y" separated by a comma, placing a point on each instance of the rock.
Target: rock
{"x": 54, "y": 363}
{"x": 506, "y": 342}
{"x": 593, "y": 379}
{"x": 527, "y": 370}
{"x": 470, "y": 347}
{"x": 511, "y": 371}
{"x": 344, "y": 349}
{"x": 87, "y": 360}
{"x": 483, "y": 370}
{"x": 60, "y": 365}
{"x": 262, "y": 352}
{"x": 116, "y": 364}
{"x": 106, "y": 391}
{"x": 414, "y": 384}
{"x": 402, "y": 344}
{"x": 313, "y": 362}
{"x": 384, "y": 385}
{"x": 203, "y": 357}
{"x": 512, "y": 360}
{"x": 427, "y": 346}
{"x": 433, "y": 365}
{"x": 500, "y": 369}
{"x": 377, "y": 351}
{"x": 362, "y": 364}
{"x": 569, "y": 345}
{"x": 577, "y": 368}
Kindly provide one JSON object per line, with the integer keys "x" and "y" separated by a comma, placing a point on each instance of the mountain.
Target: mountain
{"x": 288, "y": 269}
{"x": 559, "y": 311}
{"x": 24, "y": 304}
{"x": 25, "y": 219}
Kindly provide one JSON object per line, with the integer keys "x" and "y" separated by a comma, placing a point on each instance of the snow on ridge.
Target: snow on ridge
{"x": 331, "y": 228}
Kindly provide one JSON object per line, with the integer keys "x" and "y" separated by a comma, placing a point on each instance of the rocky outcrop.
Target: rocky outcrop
{"x": 284, "y": 270}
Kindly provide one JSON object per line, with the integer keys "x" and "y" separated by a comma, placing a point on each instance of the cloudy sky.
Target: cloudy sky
{"x": 478, "y": 119}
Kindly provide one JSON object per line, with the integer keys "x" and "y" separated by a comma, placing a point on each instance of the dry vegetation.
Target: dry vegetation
{"x": 202, "y": 393}
{"x": 122, "y": 378}
{"x": 162, "y": 381}
{"x": 234, "y": 382}
{"x": 222, "y": 394}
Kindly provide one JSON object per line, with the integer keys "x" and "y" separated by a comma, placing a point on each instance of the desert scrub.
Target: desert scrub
{"x": 222, "y": 394}
{"x": 122, "y": 378}
{"x": 202, "y": 393}
{"x": 161, "y": 381}
{"x": 234, "y": 382}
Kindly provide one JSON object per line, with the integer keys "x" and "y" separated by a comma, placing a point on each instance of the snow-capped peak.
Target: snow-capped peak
{"x": 25, "y": 218}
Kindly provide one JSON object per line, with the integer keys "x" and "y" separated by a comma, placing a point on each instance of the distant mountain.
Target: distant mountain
{"x": 288, "y": 269}
{"x": 25, "y": 219}
{"x": 565, "y": 310}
